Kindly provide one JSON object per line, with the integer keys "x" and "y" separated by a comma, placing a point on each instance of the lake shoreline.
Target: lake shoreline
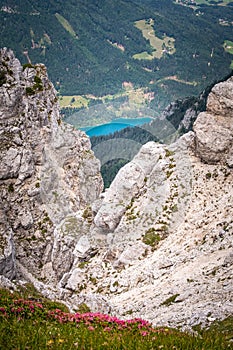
{"x": 115, "y": 125}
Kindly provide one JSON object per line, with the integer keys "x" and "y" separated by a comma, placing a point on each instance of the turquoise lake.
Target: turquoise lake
{"x": 114, "y": 125}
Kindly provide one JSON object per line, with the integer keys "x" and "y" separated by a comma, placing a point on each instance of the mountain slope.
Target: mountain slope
{"x": 157, "y": 244}
{"x": 89, "y": 48}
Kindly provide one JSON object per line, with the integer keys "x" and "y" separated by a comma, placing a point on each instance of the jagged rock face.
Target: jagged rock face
{"x": 47, "y": 169}
{"x": 157, "y": 244}
{"x": 142, "y": 200}
{"x": 165, "y": 227}
{"x": 144, "y": 265}
{"x": 214, "y": 128}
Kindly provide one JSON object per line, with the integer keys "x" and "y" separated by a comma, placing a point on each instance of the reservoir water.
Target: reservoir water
{"x": 115, "y": 125}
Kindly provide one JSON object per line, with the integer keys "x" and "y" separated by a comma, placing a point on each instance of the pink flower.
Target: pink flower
{"x": 107, "y": 329}
{"x": 19, "y": 309}
{"x": 144, "y": 333}
{"x": 91, "y": 328}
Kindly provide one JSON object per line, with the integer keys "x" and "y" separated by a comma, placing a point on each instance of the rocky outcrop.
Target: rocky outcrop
{"x": 214, "y": 128}
{"x": 165, "y": 231}
{"x": 47, "y": 170}
{"x": 143, "y": 197}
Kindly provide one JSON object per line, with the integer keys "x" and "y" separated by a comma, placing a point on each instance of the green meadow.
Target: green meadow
{"x": 66, "y": 25}
{"x": 29, "y": 321}
{"x": 159, "y": 46}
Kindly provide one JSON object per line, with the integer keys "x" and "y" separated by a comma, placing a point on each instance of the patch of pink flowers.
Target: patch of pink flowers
{"x": 108, "y": 322}
{"x": 28, "y": 308}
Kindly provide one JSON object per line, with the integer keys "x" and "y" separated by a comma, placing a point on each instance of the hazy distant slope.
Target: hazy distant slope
{"x": 79, "y": 64}
{"x": 88, "y": 47}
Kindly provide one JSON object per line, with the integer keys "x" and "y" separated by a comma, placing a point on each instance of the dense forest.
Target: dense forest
{"x": 86, "y": 53}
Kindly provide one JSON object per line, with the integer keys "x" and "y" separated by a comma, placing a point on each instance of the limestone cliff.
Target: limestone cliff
{"x": 165, "y": 227}
{"x": 47, "y": 171}
{"x": 214, "y": 128}
{"x": 157, "y": 244}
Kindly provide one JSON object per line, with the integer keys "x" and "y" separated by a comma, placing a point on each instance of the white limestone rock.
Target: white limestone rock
{"x": 214, "y": 128}
{"x": 191, "y": 263}
{"x": 47, "y": 171}
{"x": 147, "y": 196}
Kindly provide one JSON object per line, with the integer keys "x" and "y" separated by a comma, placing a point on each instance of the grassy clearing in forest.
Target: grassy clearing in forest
{"x": 228, "y": 47}
{"x": 160, "y": 46}
{"x": 136, "y": 96}
{"x": 75, "y": 101}
{"x": 66, "y": 25}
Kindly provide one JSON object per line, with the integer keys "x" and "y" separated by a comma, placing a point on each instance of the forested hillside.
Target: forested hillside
{"x": 93, "y": 48}
{"x": 177, "y": 119}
